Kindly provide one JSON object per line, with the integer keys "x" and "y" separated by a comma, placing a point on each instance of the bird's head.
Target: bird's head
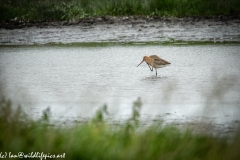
{"x": 144, "y": 59}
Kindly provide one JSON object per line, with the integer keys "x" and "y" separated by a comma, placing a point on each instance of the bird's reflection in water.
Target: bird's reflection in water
{"x": 155, "y": 78}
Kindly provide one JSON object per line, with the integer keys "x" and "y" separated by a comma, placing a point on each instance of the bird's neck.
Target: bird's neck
{"x": 148, "y": 60}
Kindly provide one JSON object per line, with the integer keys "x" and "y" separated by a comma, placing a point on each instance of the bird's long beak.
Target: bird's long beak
{"x": 141, "y": 63}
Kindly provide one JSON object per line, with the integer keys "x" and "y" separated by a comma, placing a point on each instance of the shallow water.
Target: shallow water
{"x": 202, "y": 82}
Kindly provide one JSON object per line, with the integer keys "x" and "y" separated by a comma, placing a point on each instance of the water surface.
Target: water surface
{"x": 202, "y": 80}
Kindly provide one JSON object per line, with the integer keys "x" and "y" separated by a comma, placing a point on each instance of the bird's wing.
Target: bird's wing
{"x": 159, "y": 60}
{"x": 155, "y": 57}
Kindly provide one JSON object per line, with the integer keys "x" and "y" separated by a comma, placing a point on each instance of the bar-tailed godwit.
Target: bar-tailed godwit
{"x": 155, "y": 62}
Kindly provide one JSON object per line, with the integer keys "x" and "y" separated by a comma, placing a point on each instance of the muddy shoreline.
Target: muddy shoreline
{"x": 18, "y": 24}
{"x": 132, "y": 29}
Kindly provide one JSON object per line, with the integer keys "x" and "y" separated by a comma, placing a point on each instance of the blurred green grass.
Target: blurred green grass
{"x": 77, "y": 9}
{"x": 98, "y": 139}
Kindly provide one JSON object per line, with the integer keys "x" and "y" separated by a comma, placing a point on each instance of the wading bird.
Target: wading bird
{"x": 155, "y": 62}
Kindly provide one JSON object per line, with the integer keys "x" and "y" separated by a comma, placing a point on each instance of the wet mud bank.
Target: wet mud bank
{"x": 122, "y": 29}
{"x": 194, "y": 124}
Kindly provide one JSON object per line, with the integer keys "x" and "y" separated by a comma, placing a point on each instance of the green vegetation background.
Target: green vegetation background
{"x": 98, "y": 139}
{"x": 77, "y": 9}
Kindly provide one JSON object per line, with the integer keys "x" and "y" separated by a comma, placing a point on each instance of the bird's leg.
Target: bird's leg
{"x": 156, "y": 71}
{"x": 150, "y": 67}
